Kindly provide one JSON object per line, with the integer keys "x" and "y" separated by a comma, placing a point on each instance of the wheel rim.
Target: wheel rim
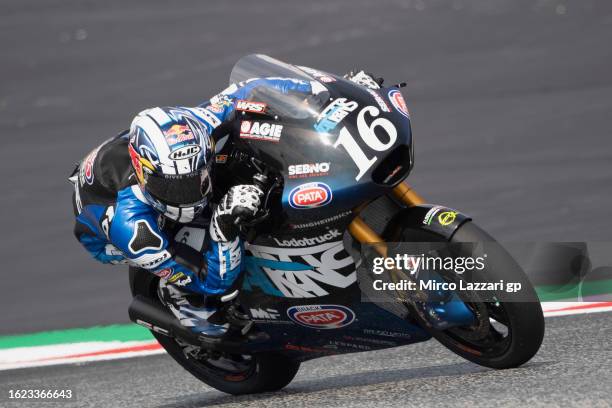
{"x": 232, "y": 367}
{"x": 229, "y": 367}
{"x": 490, "y": 336}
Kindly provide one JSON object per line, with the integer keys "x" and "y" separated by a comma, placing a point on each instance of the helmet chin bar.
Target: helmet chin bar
{"x": 177, "y": 214}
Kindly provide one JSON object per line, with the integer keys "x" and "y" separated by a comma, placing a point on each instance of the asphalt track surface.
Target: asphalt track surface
{"x": 571, "y": 369}
{"x": 510, "y": 100}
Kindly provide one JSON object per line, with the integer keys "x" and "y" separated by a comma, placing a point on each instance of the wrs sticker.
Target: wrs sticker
{"x": 310, "y": 195}
{"x": 398, "y": 102}
{"x": 250, "y": 106}
{"x": 321, "y": 316}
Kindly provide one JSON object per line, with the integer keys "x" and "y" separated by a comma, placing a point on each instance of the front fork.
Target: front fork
{"x": 440, "y": 315}
{"x": 361, "y": 232}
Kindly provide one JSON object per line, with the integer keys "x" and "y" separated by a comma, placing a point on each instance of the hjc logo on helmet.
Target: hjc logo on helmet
{"x": 184, "y": 152}
{"x": 310, "y": 195}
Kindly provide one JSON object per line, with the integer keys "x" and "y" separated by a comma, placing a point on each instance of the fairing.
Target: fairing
{"x": 310, "y": 137}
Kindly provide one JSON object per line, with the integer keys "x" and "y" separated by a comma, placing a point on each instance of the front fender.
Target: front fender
{"x": 424, "y": 223}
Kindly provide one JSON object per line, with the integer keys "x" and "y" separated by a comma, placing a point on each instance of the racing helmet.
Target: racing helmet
{"x": 171, "y": 154}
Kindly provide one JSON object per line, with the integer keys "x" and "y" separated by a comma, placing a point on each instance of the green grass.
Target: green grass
{"x": 116, "y": 332}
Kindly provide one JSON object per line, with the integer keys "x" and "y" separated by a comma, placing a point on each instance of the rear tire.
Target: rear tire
{"x": 261, "y": 372}
{"x": 266, "y": 372}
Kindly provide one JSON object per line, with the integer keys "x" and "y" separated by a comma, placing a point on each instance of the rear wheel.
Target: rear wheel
{"x": 504, "y": 334}
{"x": 231, "y": 373}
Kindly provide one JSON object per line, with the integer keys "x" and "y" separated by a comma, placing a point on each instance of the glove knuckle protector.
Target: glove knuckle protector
{"x": 240, "y": 203}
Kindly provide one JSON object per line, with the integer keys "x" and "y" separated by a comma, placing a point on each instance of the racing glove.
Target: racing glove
{"x": 366, "y": 79}
{"x": 240, "y": 204}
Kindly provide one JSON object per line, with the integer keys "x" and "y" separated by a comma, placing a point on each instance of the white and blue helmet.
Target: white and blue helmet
{"x": 171, "y": 153}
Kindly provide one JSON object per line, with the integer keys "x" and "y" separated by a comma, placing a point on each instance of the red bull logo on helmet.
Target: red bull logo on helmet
{"x": 178, "y": 133}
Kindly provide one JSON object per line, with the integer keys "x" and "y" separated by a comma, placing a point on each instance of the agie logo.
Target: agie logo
{"x": 321, "y": 316}
{"x": 310, "y": 195}
{"x": 260, "y": 131}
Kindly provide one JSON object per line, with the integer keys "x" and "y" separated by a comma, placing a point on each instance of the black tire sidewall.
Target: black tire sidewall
{"x": 271, "y": 371}
{"x": 525, "y": 318}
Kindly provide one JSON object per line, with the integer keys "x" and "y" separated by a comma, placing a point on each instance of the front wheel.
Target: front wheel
{"x": 505, "y": 334}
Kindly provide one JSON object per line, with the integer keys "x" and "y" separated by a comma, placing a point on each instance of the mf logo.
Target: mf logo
{"x": 268, "y": 314}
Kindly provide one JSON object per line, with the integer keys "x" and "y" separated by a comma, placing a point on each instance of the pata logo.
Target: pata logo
{"x": 309, "y": 241}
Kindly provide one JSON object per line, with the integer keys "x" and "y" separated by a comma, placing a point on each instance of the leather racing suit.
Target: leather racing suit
{"x": 116, "y": 224}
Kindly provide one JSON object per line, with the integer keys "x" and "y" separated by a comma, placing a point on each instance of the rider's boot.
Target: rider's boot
{"x": 224, "y": 320}
{"x": 191, "y": 311}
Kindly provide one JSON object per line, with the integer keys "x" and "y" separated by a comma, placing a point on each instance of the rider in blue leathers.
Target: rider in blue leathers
{"x": 143, "y": 198}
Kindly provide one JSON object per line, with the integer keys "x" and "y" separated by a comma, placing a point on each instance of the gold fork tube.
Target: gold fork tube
{"x": 407, "y": 195}
{"x": 364, "y": 234}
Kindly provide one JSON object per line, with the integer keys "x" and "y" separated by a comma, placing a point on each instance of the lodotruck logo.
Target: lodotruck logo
{"x": 321, "y": 316}
{"x": 308, "y": 241}
{"x": 310, "y": 195}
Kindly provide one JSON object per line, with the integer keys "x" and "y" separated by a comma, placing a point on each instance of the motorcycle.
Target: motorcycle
{"x": 333, "y": 166}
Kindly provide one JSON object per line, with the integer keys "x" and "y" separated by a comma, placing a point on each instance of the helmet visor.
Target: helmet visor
{"x": 182, "y": 190}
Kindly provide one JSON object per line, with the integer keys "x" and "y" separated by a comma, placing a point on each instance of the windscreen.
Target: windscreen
{"x": 294, "y": 105}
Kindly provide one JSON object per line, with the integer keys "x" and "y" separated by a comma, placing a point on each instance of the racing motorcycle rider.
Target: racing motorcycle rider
{"x": 132, "y": 189}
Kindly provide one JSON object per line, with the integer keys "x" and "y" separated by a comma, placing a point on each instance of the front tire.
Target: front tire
{"x": 508, "y": 334}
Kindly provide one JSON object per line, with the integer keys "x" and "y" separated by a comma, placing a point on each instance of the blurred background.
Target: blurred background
{"x": 511, "y": 104}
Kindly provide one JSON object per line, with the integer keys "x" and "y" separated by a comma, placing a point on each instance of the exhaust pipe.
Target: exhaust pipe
{"x": 147, "y": 313}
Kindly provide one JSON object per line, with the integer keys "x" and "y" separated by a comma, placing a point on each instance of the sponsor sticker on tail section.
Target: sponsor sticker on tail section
{"x": 397, "y": 100}
{"x": 164, "y": 273}
{"x": 86, "y": 174}
{"x": 321, "y": 316}
{"x": 310, "y": 195}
